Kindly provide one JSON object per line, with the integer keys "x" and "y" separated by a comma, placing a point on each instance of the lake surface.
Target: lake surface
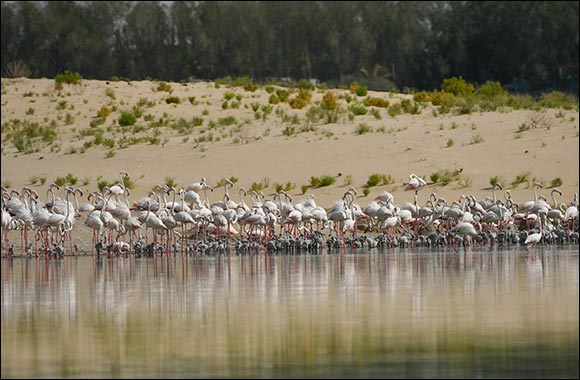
{"x": 398, "y": 313}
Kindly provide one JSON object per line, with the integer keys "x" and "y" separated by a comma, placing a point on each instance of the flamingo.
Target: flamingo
{"x": 415, "y": 183}
{"x": 120, "y": 189}
{"x": 533, "y": 239}
{"x": 465, "y": 229}
{"x": 197, "y": 186}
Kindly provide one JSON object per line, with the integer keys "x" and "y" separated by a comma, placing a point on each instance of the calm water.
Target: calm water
{"x": 397, "y": 314}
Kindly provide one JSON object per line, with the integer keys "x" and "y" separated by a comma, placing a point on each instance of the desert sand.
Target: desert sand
{"x": 254, "y": 149}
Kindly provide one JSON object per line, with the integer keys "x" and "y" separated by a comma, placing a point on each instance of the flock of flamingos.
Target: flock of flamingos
{"x": 169, "y": 221}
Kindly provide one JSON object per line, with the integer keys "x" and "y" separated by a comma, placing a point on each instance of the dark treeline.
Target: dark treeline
{"x": 525, "y": 45}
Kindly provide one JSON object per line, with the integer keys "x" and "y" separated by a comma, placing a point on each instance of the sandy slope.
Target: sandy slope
{"x": 405, "y": 144}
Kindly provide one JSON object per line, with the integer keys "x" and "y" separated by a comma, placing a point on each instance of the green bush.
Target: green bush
{"x": 375, "y": 102}
{"x": 127, "y": 119}
{"x": 361, "y": 90}
{"x": 557, "y": 99}
{"x": 442, "y": 98}
{"x": 556, "y": 182}
{"x": 362, "y": 129}
{"x": 490, "y": 90}
{"x": 173, "y": 100}
{"x": 282, "y": 95}
{"x": 274, "y": 99}
{"x": 301, "y": 100}
{"x": 495, "y": 180}
{"x": 358, "y": 109}
{"x": 422, "y": 97}
{"x": 457, "y": 86}
{"x": 445, "y": 176}
{"x": 521, "y": 178}
{"x": 410, "y": 107}
{"x": 67, "y": 77}
{"x": 322, "y": 181}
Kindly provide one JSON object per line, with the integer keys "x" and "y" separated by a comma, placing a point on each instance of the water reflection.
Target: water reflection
{"x": 396, "y": 314}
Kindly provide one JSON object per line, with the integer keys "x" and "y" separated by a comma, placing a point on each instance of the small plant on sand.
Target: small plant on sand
{"x": 127, "y": 119}
{"x": 304, "y": 188}
{"x": 348, "y": 180}
{"x": 162, "y": 86}
{"x": 521, "y": 178}
{"x": 110, "y": 93}
{"x": 366, "y": 191}
{"x": 173, "y": 100}
{"x": 556, "y": 182}
{"x": 450, "y": 143}
{"x": 464, "y": 182}
{"x": 67, "y": 77}
{"x": 362, "y": 129}
{"x": 170, "y": 182}
{"x": 446, "y": 176}
{"x": 33, "y": 180}
{"x": 329, "y": 101}
{"x": 497, "y": 179}
{"x": 376, "y": 179}
{"x": 71, "y": 179}
{"x": 322, "y": 181}
{"x": 60, "y": 181}
{"x": 476, "y": 139}
{"x": 358, "y": 109}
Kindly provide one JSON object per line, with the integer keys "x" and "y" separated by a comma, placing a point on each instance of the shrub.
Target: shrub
{"x": 410, "y": 107}
{"x": 496, "y": 179}
{"x": 521, "y": 178}
{"x": 366, "y": 191}
{"x": 441, "y": 98}
{"x": 60, "y": 181}
{"x": 449, "y": 143}
{"x": 361, "y": 91}
{"x": 282, "y": 95}
{"x": 274, "y": 99}
{"x": 162, "y": 86}
{"x": 457, "y": 86}
{"x": 362, "y": 129}
{"x": 67, "y": 77}
{"x": 376, "y": 179}
{"x": 376, "y": 102}
{"x": 173, "y": 100}
{"x": 476, "y": 139}
{"x": 301, "y": 100}
{"x": 358, "y": 109}
{"x": 329, "y": 101}
{"x": 422, "y": 96}
{"x": 170, "y": 182}
{"x": 322, "y": 181}
{"x": 556, "y": 182}
{"x": 127, "y": 119}
{"x": 71, "y": 179}
{"x": 490, "y": 90}
{"x": 353, "y": 87}
{"x": 445, "y": 176}
{"x": 104, "y": 112}
{"x": 394, "y": 110}
{"x": 557, "y": 99}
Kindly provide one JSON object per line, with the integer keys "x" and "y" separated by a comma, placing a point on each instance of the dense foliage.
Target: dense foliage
{"x": 526, "y": 46}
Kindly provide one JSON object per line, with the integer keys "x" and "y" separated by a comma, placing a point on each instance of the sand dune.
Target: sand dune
{"x": 254, "y": 148}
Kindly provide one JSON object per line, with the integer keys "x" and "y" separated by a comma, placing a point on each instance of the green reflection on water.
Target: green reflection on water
{"x": 485, "y": 314}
